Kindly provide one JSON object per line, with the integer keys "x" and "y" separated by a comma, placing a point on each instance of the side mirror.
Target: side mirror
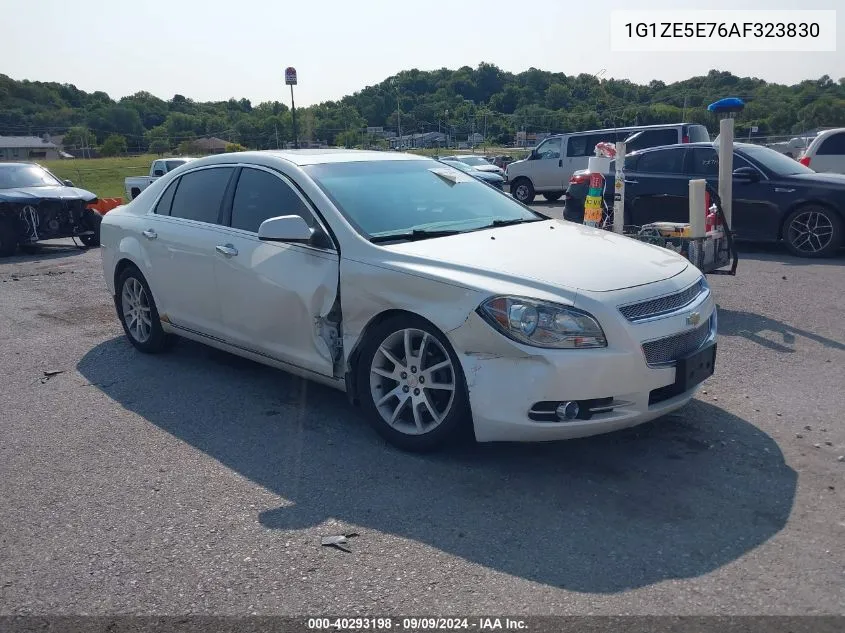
{"x": 158, "y": 172}
{"x": 533, "y": 155}
{"x": 67, "y": 183}
{"x": 285, "y": 228}
{"x": 748, "y": 174}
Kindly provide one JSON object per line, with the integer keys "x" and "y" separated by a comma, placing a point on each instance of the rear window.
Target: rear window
{"x": 833, "y": 145}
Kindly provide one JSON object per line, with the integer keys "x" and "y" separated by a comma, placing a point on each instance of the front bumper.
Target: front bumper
{"x": 506, "y": 380}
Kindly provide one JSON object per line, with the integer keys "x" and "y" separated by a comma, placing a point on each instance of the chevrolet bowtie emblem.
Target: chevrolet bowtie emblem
{"x": 693, "y": 318}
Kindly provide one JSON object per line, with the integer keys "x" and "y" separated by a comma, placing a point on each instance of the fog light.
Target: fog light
{"x": 567, "y": 411}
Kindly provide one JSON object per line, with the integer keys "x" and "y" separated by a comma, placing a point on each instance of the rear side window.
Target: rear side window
{"x": 703, "y": 161}
{"x": 668, "y": 161}
{"x": 832, "y": 145}
{"x": 200, "y": 194}
{"x": 698, "y": 134}
{"x": 585, "y": 144}
{"x": 654, "y": 138}
{"x": 260, "y": 196}
{"x": 164, "y": 203}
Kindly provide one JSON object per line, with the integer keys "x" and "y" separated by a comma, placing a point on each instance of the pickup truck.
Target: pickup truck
{"x": 136, "y": 184}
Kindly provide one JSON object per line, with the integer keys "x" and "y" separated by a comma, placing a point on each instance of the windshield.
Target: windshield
{"x": 475, "y": 161}
{"x": 780, "y": 164}
{"x": 17, "y": 176}
{"x": 385, "y": 197}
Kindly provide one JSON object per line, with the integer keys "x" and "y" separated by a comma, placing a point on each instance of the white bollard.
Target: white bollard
{"x": 726, "y": 167}
{"x": 697, "y": 212}
{"x": 619, "y": 190}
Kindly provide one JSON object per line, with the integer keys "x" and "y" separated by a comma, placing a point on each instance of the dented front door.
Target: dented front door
{"x": 276, "y": 299}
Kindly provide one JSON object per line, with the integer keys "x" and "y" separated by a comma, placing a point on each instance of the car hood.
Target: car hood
{"x": 553, "y": 253}
{"x": 492, "y": 168}
{"x": 821, "y": 178}
{"x": 33, "y": 195}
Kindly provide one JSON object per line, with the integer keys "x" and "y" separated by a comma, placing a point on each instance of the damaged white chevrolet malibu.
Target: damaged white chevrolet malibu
{"x": 434, "y": 300}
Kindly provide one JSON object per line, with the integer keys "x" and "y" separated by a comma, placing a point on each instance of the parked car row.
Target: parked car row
{"x": 774, "y": 197}
{"x": 549, "y": 166}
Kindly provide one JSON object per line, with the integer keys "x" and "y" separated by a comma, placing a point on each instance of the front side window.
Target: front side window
{"x": 261, "y": 195}
{"x": 775, "y": 162}
{"x": 200, "y": 194}
{"x": 388, "y": 197}
{"x": 549, "y": 149}
{"x": 704, "y": 162}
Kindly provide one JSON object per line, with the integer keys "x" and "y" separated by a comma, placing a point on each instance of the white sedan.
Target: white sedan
{"x": 430, "y": 298}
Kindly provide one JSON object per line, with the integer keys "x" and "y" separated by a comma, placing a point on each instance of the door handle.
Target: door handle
{"x": 226, "y": 249}
{"x": 149, "y": 234}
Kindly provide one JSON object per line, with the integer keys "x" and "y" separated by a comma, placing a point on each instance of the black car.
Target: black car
{"x": 774, "y": 197}
{"x": 489, "y": 177}
{"x": 35, "y": 205}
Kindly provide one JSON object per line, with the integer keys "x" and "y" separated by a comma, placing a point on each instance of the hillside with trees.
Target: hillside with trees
{"x": 485, "y": 99}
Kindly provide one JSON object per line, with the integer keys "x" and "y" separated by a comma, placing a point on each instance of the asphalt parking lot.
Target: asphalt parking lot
{"x": 197, "y": 482}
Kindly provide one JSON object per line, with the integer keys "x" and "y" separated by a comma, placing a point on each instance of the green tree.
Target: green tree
{"x": 114, "y": 145}
{"x": 159, "y": 146}
{"x": 77, "y": 137}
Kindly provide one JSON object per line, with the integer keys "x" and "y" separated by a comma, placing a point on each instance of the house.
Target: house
{"x": 27, "y": 148}
{"x": 210, "y": 145}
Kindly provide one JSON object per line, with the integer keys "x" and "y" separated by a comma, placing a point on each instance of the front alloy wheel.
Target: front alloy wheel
{"x": 813, "y": 232}
{"x": 413, "y": 384}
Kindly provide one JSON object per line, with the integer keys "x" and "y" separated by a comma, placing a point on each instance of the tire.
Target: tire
{"x": 553, "y": 197}
{"x": 93, "y": 221}
{"x": 522, "y": 190}
{"x": 132, "y": 289}
{"x": 426, "y": 418}
{"x": 812, "y": 230}
{"x": 8, "y": 239}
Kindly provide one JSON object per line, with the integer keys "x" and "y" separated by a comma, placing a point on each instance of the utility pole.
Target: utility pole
{"x": 276, "y": 127}
{"x": 684, "y": 115}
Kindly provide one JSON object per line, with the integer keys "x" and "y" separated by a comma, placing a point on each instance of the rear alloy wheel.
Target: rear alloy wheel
{"x": 553, "y": 197}
{"x": 522, "y": 190}
{"x": 412, "y": 384}
{"x": 138, "y": 313}
{"x": 813, "y": 231}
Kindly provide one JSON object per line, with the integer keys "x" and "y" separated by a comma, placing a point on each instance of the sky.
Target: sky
{"x": 217, "y": 49}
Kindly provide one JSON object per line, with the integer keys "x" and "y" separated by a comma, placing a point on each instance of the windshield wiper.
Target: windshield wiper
{"x": 413, "y": 236}
{"x": 514, "y": 221}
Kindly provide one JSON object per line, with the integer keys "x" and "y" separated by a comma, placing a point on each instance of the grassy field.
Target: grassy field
{"x": 104, "y": 176}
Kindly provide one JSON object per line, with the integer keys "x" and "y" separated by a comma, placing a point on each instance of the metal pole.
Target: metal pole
{"x": 619, "y": 190}
{"x": 726, "y": 167}
{"x": 293, "y": 116}
{"x": 399, "y": 117}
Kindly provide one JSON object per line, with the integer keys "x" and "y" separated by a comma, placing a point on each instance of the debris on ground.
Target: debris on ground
{"x": 338, "y": 541}
{"x": 49, "y": 373}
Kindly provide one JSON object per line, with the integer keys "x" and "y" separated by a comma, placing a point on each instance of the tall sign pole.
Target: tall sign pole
{"x": 290, "y": 80}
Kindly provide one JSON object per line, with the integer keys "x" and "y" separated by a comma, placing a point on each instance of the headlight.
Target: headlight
{"x": 542, "y": 324}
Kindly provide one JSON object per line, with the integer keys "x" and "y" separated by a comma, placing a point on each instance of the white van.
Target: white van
{"x": 549, "y": 166}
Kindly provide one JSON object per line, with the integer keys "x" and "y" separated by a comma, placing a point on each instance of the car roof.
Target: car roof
{"x": 710, "y": 145}
{"x": 659, "y": 126}
{"x": 19, "y": 162}
{"x": 304, "y": 157}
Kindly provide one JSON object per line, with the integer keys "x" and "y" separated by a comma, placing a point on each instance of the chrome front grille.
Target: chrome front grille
{"x": 669, "y": 349}
{"x": 663, "y": 305}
